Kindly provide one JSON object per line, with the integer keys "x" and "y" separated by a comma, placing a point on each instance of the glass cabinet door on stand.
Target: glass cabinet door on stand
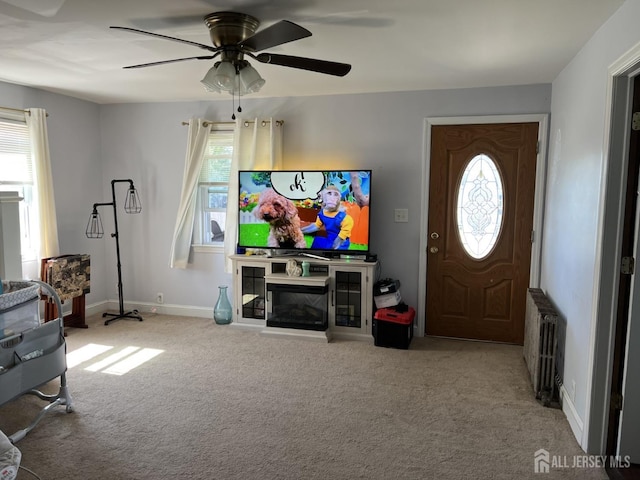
{"x": 348, "y": 301}
{"x": 250, "y": 294}
{"x": 351, "y": 311}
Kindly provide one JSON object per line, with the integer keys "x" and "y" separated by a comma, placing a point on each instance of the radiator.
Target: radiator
{"x": 541, "y": 346}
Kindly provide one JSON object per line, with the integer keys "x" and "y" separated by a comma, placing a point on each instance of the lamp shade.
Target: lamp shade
{"x": 250, "y": 79}
{"x": 132, "y": 202}
{"x": 94, "y": 226}
{"x": 225, "y": 75}
{"x": 209, "y": 81}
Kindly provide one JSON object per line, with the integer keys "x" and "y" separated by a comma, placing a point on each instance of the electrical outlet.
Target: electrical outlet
{"x": 573, "y": 390}
{"x": 160, "y": 297}
{"x": 401, "y": 215}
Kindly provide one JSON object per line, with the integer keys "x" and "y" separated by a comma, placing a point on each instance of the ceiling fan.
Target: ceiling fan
{"x": 234, "y": 37}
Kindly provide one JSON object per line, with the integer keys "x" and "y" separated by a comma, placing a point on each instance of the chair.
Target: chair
{"x": 217, "y": 235}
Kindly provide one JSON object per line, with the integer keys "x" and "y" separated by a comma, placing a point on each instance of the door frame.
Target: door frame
{"x": 538, "y": 210}
{"x": 593, "y": 438}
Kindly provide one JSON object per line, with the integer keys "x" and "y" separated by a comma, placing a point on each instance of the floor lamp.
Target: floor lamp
{"x": 95, "y": 230}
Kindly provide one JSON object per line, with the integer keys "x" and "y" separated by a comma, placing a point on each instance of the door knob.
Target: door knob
{"x": 433, "y": 249}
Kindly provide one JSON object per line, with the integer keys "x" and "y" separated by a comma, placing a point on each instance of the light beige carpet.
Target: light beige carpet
{"x": 222, "y": 403}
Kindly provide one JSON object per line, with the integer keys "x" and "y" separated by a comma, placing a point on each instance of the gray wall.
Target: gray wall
{"x": 572, "y": 244}
{"x": 383, "y": 132}
{"x": 92, "y": 144}
{"x": 74, "y": 141}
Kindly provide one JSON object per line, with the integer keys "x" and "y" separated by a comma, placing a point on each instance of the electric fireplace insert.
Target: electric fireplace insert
{"x": 297, "y": 306}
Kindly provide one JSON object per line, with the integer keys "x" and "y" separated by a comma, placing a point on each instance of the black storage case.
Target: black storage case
{"x": 386, "y": 285}
{"x": 392, "y": 328}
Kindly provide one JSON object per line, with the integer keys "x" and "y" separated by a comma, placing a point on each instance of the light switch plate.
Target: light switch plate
{"x": 401, "y": 215}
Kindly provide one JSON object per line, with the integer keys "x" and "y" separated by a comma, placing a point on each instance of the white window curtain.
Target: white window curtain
{"x": 36, "y": 121}
{"x": 198, "y": 137}
{"x": 258, "y": 145}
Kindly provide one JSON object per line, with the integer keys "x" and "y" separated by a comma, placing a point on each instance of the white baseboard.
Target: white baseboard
{"x": 95, "y": 308}
{"x": 147, "y": 307}
{"x": 569, "y": 409}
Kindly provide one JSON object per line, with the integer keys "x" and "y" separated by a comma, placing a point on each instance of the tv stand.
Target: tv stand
{"x": 343, "y": 288}
{"x": 297, "y": 253}
{"x": 317, "y": 257}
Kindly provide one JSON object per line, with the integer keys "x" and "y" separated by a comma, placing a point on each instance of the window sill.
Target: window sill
{"x": 203, "y": 248}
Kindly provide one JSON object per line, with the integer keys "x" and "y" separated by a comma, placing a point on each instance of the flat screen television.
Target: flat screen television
{"x": 312, "y": 211}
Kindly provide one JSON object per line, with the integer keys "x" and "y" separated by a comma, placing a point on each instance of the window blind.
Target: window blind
{"x": 216, "y": 166}
{"x": 16, "y": 165}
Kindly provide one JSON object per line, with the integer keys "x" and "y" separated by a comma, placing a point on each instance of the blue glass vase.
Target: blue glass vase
{"x": 223, "y": 312}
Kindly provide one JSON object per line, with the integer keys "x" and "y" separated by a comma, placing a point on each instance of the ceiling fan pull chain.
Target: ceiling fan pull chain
{"x": 233, "y": 105}
{"x": 238, "y": 81}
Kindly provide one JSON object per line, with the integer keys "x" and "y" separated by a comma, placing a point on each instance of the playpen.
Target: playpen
{"x": 32, "y": 352}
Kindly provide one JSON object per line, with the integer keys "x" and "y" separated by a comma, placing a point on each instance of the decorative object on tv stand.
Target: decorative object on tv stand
{"x": 222, "y": 312}
{"x": 95, "y": 230}
{"x": 293, "y": 269}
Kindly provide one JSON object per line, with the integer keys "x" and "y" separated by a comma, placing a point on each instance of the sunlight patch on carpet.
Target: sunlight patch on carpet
{"x": 85, "y": 353}
{"x": 118, "y": 363}
{"x": 111, "y": 359}
{"x": 133, "y": 361}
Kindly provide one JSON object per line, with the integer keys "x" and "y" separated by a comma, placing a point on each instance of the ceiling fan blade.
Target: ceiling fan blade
{"x": 282, "y": 32}
{"x": 162, "y": 62}
{"x": 166, "y": 37}
{"x": 312, "y": 64}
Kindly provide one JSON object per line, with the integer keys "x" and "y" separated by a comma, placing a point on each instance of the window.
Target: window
{"x": 213, "y": 187}
{"x": 480, "y": 206}
{"x": 17, "y": 175}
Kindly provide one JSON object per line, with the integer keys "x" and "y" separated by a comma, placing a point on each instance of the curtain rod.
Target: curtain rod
{"x": 23, "y": 110}
{"x": 264, "y": 123}
{"x": 206, "y": 123}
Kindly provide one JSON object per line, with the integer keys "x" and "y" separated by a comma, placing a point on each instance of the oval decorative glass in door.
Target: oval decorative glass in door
{"x": 480, "y": 206}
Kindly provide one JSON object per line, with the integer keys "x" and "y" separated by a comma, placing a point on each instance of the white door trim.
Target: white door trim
{"x": 608, "y": 251}
{"x": 538, "y": 212}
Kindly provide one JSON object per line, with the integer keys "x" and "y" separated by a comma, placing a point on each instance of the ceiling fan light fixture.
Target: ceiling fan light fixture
{"x": 250, "y": 79}
{"x": 209, "y": 81}
{"x": 225, "y": 75}
{"x": 234, "y": 35}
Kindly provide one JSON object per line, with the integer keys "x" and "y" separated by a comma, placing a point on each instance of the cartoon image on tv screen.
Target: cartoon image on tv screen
{"x": 304, "y": 210}
{"x": 283, "y": 219}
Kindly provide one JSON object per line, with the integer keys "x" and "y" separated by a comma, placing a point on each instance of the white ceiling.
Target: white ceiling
{"x": 66, "y": 46}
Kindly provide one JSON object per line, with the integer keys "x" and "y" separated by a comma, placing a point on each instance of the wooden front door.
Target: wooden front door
{"x": 481, "y": 198}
